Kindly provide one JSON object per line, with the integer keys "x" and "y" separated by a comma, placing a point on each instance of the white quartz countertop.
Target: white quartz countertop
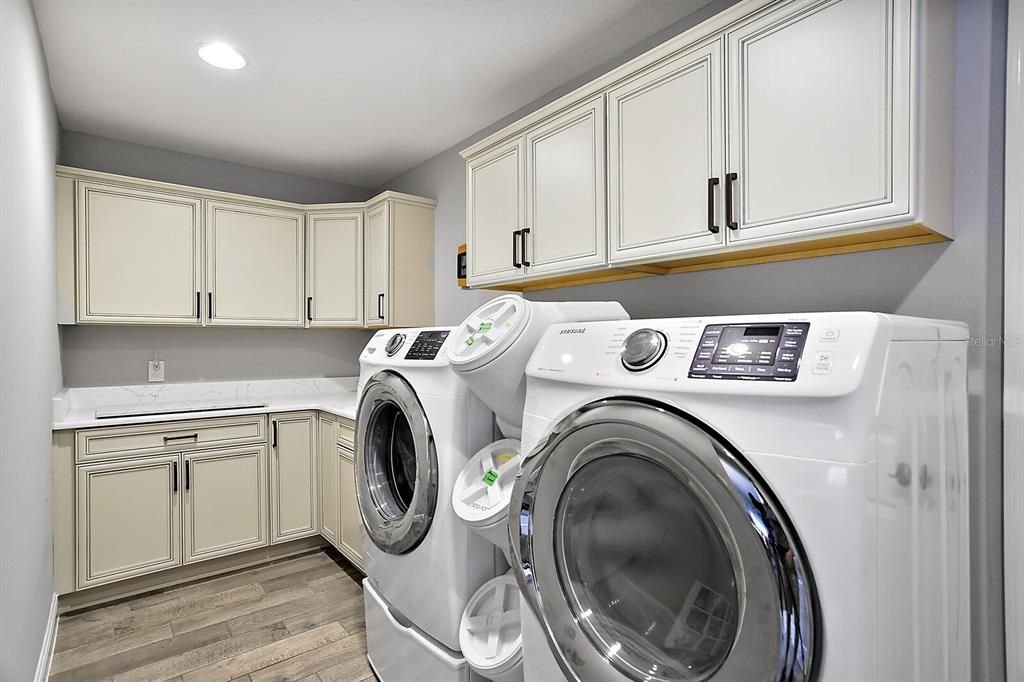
{"x": 77, "y": 408}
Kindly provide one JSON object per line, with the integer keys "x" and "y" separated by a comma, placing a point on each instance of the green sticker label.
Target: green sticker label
{"x": 485, "y": 326}
{"x": 490, "y": 477}
{"x": 470, "y": 341}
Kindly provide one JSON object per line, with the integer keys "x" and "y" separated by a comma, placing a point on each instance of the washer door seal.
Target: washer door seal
{"x": 650, "y": 550}
{"x": 395, "y": 463}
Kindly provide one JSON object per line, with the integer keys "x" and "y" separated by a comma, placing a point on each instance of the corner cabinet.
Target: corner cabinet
{"x": 254, "y": 265}
{"x": 139, "y": 256}
{"x": 294, "y": 476}
{"x": 334, "y": 268}
{"x": 399, "y": 262}
{"x": 775, "y": 130}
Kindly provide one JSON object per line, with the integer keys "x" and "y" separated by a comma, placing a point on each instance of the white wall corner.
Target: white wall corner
{"x": 49, "y": 641}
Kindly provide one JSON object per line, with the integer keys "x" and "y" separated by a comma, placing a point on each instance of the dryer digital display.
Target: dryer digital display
{"x": 750, "y": 352}
{"x": 427, "y": 345}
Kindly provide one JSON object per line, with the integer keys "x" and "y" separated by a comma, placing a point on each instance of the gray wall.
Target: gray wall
{"x": 961, "y": 280}
{"x": 106, "y": 356}
{"x": 83, "y": 150}
{"x": 29, "y": 370}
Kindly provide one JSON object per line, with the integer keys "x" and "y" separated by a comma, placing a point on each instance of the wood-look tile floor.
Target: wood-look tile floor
{"x": 298, "y": 619}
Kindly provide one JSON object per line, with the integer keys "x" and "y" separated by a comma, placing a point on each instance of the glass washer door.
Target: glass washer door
{"x": 396, "y": 465}
{"x": 649, "y": 551}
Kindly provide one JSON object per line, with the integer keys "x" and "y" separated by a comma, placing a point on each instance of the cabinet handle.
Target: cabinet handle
{"x": 188, "y": 475}
{"x": 273, "y": 438}
{"x": 712, "y": 183}
{"x": 194, "y": 437}
{"x": 515, "y": 248}
{"x": 309, "y": 308}
{"x": 209, "y": 304}
{"x": 199, "y": 305}
{"x": 526, "y": 231}
{"x": 729, "y": 218}
{"x": 380, "y": 306}
{"x": 174, "y": 478}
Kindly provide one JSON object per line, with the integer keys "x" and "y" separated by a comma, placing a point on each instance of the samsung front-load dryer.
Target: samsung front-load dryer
{"x": 777, "y": 497}
{"x": 417, "y": 425}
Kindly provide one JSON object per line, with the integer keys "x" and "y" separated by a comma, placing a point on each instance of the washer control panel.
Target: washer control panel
{"x": 750, "y": 352}
{"x": 427, "y": 345}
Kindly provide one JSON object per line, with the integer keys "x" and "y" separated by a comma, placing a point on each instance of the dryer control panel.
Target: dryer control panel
{"x": 750, "y": 352}
{"x": 427, "y": 345}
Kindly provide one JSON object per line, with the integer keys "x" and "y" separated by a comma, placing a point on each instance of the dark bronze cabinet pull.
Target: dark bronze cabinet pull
{"x": 174, "y": 478}
{"x": 209, "y": 304}
{"x": 309, "y": 308}
{"x": 730, "y": 222}
{"x": 712, "y": 183}
{"x": 526, "y": 231}
{"x": 515, "y": 248}
{"x": 273, "y": 438}
{"x": 188, "y": 475}
{"x": 380, "y": 306}
{"x": 199, "y": 305}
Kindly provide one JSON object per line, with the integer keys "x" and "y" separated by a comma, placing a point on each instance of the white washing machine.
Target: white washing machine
{"x": 417, "y": 426}
{"x": 765, "y": 497}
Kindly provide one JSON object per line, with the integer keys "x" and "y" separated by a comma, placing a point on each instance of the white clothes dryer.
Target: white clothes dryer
{"x": 761, "y": 497}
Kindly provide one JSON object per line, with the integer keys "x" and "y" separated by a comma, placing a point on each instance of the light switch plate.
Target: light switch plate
{"x": 156, "y": 370}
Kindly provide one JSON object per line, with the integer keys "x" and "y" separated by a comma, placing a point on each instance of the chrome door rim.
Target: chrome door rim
{"x": 392, "y": 528}
{"x": 776, "y": 634}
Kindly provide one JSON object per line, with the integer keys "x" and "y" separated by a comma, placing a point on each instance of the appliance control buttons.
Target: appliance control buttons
{"x": 831, "y": 334}
{"x": 642, "y": 349}
{"x": 394, "y": 344}
{"x": 823, "y": 361}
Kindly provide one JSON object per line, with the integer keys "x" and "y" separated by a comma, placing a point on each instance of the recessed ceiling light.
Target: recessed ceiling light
{"x": 222, "y": 56}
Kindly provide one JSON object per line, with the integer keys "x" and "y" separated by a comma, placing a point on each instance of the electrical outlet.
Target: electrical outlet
{"x": 156, "y": 370}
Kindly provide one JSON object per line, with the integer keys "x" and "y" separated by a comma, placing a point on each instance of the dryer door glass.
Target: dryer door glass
{"x": 396, "y": 465}
{"x": 658, "y": 553}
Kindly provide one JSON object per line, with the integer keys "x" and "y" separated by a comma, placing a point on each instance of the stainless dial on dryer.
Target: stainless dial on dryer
{"x": 642, "y": 349}
{"x": 394, "y": 344}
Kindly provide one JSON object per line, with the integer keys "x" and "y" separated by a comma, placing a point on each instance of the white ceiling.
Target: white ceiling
{"x": 354, "y": 91}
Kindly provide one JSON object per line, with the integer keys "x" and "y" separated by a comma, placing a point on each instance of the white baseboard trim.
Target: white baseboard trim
{"x": 49, "y": 641}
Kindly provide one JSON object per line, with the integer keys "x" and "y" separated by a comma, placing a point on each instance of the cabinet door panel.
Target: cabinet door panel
{"x": 128, "y": 520}
{"x": 351, "y": 522}
{"x": 819, "y": 116}
{"x": 495, "y": 212}
{"x": 335, "y": 269}
{"x": 565, "y": 191}
{"x": 254, "y": 262}
{"x": 329, "y": 510}
{"x": 139, "y": 256}
{"x": 378, "y": 290}
{"x": 293, "y": 476}
{"x": 225, "y": 509}
{"x": 665, "y": 141}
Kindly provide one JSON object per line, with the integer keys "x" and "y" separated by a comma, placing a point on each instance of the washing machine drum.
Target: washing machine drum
{"x": 396, "y": 465}
{"x": 658, "y": 554}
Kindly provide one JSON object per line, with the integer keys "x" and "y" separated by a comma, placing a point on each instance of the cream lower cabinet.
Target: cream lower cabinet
{"x": 294, "y": 476}
{"x": 139, "y": 256}
{"x": 128, "y": 519}
{"x": 334, "y": 268}
{"x": 328, "y": 462}
{"x": 225, "y": 506}
{"x": 351, "y": 525}
{"x": 254, "y": 265}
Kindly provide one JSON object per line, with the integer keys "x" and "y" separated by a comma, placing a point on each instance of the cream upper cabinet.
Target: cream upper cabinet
{"x": 328, "y": 461}
{"x": 351, "y": 526}
{"x": 225, "y": 501}
{"x": 377, "y": 287}
{"x": 565, "y": 192}
{"x": 399, "y": 262}
{"x": 139, "y": 256}
{"x": 293, "y": 476}
{"x": 334, "y": 269}
{"x": 819, "y": 117}
{"x": 254, "y": 265}
{"x": 666, "y": 152}
{"x": 496, "y": 214}
{"x": 128, "y": 519}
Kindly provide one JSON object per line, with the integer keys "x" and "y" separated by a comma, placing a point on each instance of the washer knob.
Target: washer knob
{"x": 642, "y": 349}
{"x": 394, "y": 344}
